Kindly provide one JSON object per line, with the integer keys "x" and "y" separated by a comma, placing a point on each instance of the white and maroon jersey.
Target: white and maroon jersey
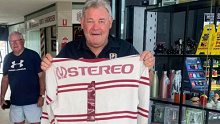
{"x": 97, "y": 91}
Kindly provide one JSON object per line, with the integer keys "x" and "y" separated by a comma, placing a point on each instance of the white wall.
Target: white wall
{"x": 20, "y": 28}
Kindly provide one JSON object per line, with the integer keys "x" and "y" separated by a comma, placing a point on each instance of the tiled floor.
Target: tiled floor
{"x": 4, "y": 117}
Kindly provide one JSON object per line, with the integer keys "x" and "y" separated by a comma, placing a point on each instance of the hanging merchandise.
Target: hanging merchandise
{"x": 177, "y": 82}
{"x": 216, "y": 48}
{"x": 163, "y": 85}
{"x": 205, "y": 39}
{"x": 171, "y": 76}
{"x": 155, "y": 86}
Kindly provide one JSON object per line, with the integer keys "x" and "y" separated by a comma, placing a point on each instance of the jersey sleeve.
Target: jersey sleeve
{"x": 51, "y": 85}
{"x": 144, "y": 96}
{"x": 51, "y": 95}
{"x": 47, "y": 114}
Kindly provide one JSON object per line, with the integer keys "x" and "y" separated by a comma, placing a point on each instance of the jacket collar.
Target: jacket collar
{"x": 111, "y": 43}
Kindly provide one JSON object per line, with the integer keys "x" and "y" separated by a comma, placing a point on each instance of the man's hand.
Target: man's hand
{"x": 3, "y": 103}
{"x": 148, "y": 58}
{"x": 149, "y": 61}
{"x": 40, "y": 101}
{"x": 46, "y": 62}
{"x": 4, "y": 87}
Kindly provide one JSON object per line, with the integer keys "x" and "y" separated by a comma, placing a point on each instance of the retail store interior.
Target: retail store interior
{"x": 183, "y": 35}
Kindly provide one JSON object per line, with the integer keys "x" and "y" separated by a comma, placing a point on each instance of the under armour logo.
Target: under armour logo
{"x": 112, "y": 55}
{"x": 20, "y": 64}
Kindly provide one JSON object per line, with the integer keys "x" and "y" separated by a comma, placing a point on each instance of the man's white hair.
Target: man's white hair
{"x": 97, "y": 4}
{"x": 16, "y": 32}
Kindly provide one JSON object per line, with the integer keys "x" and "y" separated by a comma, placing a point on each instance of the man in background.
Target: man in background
{"x": 21, "y": 70}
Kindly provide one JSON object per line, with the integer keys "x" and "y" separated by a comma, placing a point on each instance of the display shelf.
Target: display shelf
{"x": 195, "y": 90}
{"x": 193, "y": 55}
{"x": 214, "y": 116}
{"x": 166, "y": 101}
{"x": 183, "y": 21}
{"x": 167, "y": 55}
{"x": 212, "y": 76}
{"x": 186, "y": 104}
{"x": 213, "y": 109}
{"x": 209, "y": 66}
{"x": 187, "y": 55}
{"x": 215, "y": 87}
{"x": 182, "y": 6}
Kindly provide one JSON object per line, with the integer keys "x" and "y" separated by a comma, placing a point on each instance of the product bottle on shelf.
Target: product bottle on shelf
{"x": 176, "y": 83}
{"x": 181, "y": 46}
{"x": 171, "y": 76}
{"x": 155, "y": 86}
{"x": 163, "y": 85}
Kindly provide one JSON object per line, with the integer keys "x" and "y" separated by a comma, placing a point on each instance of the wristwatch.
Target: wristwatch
{"x": 42, "y": 96}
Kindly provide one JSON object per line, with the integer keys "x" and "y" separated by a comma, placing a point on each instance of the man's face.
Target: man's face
{"x": 96, "y": 25}
{"x": 16, "y": 43}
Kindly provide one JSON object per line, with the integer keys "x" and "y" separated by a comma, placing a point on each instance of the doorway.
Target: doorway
{"x": 3, "y": 53}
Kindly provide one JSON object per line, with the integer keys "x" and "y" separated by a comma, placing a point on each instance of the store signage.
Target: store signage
{"x": 46, "y": 20}
{"x": 64, "y": 22}
{"x": 207, "y": 40}
{"x": 209, "y": 19}
{"x": 216, "y": 49}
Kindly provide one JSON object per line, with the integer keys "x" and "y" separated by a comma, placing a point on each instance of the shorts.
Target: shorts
{"x": 31, "y": 112}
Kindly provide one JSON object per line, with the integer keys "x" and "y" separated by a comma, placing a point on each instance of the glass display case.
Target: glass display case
{"x": 186, "y": 48}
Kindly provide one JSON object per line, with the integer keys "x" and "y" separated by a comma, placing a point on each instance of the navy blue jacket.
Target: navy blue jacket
{"x": 78, "y": 49}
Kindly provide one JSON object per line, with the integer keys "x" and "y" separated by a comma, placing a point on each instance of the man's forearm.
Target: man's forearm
{"x": 4, "y": 87}
{"x": 42, "y": 82}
